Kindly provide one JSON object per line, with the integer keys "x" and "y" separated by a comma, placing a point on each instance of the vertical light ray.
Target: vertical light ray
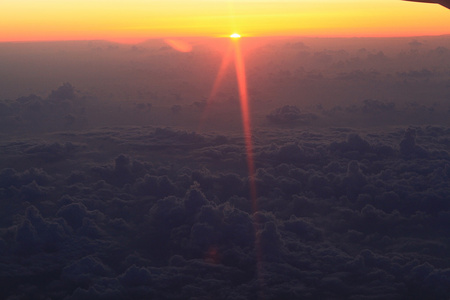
{"x": 246, "y": 124}
{"x": 219, "y": 78}
{"x": 220, "y": 75}
{"x": 247, "y": 131}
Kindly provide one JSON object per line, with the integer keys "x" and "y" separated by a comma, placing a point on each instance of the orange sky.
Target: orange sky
{"x": 27, "y": 20}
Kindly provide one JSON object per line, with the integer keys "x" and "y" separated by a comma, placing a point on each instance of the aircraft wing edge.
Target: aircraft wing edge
{"x": 445, "y": 3}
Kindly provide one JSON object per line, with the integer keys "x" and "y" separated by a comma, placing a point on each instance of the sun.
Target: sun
{"x": 235, "y": 36}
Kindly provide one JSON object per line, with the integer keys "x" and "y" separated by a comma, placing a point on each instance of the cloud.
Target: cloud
{"x": 408, "y": 146}
{"x": 290, "y": 115}
{"x": 65, "y": 92}
{"x": 416, "y": 74}
{"x": 73, "y": 214}
{"x": 125, "y": 207}
{"x": 81, "y": 271}
{"x": 127, "y": 224}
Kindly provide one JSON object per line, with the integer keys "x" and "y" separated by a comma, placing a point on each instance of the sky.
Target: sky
{"x": 138, "y": 19}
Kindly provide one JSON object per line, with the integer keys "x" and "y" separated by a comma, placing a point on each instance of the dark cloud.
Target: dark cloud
{"x": 290, "y": 115}
{"x": 330, "y": 212}
{"x": 415, "y": 43}
{"x": 416, "y": 74}
{"x": 64, "y": 92}
{"x": 408, "y": 146}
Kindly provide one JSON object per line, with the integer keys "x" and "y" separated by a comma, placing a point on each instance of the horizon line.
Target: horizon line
{"x": 143, "y": 40}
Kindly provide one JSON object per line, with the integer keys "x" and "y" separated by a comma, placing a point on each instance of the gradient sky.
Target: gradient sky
{"x": 28, "y": 20}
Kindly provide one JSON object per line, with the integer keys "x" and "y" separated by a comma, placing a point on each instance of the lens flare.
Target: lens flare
{"x": 179, "y": 45}
{"x": 247, "y": 132}
{"x": 246, "y": 123}
{"x": 219, "y": 78}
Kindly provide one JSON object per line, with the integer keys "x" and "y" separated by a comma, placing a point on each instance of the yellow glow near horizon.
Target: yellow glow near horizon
{"x": 27, "y": 20}
{"x": 235, "y": 36}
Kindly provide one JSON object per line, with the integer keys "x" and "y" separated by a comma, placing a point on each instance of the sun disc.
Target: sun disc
{"x": 235, "y": 36}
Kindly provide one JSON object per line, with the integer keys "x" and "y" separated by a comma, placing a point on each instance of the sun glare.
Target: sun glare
{"x": 235, "y": 36}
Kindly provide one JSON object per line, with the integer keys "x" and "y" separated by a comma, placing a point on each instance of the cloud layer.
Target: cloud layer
{"x": 125, "y": 188}
{"x": 341, "y": 215}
